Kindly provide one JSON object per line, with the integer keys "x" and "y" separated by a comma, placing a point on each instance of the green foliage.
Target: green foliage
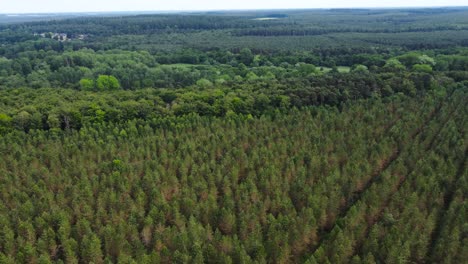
{"x": 360, "y": 69}
{"x": 424, "y": 59}
{"x": 204, "y": 83}
{"x": 91, "y": 249}
{"x": 5, "y": 123}
{"x": 265, "y": 189}
{"x": 422, "y": 68}
{"x": 107, "y": 83}
{"x": 87, "y": 84}
{"x": 394, "y": 65}
{"x": 246, "y": 57}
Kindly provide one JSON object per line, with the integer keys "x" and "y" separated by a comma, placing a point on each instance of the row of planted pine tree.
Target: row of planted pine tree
{"x": 395, "y": 219}
{"x": 372, "y": 181}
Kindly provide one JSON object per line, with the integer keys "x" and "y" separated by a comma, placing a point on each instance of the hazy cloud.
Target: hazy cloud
{"x": 33, "y": 6}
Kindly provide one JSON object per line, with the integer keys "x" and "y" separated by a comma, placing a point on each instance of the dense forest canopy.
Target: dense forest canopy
{"x": 284, "y": 136}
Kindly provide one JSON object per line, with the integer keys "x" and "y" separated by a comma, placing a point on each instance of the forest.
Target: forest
{"x": 284, "y": 136}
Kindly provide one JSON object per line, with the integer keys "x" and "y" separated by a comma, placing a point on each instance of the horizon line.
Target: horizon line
{"x": 228, "y": 10}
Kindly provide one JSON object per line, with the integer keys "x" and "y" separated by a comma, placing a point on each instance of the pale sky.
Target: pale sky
{"x": 51, "y": 6}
